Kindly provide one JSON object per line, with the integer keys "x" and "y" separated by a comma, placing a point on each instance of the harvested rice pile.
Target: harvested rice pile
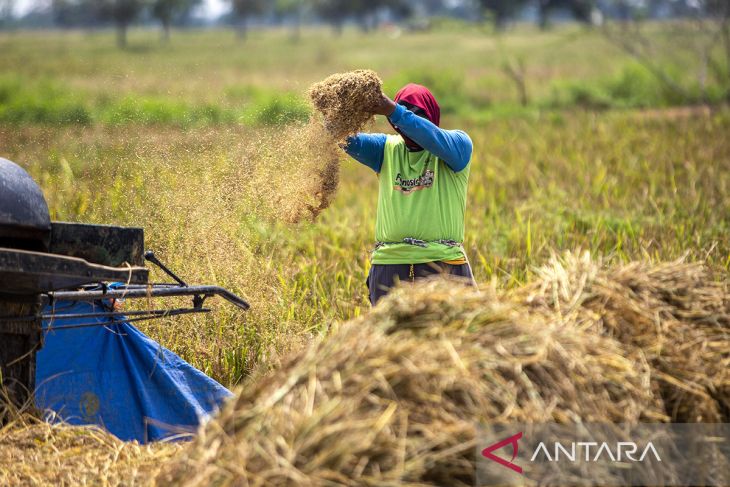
{"x": 378, "y": 406}
{"x": 39, "y": 454}
{"x": 392, "y": 398}
{"x": 674, "y": 313}
{"x": 347, "y": 101}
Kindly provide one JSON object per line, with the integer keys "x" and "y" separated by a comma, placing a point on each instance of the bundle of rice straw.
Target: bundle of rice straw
{"x": 347, "y": 101}
{"x": 676, "y": 314}
{"x": 394, "y": 397}
{"x": 36, "y": 453}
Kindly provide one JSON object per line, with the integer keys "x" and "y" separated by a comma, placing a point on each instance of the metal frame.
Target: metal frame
{"x": 198, "y": 293}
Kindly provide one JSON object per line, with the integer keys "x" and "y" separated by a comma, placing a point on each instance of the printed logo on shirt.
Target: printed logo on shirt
{"x": 407, "y": 186}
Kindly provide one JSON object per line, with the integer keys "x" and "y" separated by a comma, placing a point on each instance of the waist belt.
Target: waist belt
{"x": 419, "y": 243}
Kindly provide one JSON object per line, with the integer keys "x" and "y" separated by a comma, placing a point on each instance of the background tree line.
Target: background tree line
{"x": 364, "y": 13}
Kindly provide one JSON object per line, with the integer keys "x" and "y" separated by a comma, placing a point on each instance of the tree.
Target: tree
{"x": 334, "y": 12}
{"x": 168, "y": 11}
{"x": 365, "y": 10}
{"x": 428, "y": 7}
{"x": 243, "y": 10}
{"x": 6, "y": 12}
{"x": 719, "y": 11}
{"x": 72, "y": 13}
{"x": 122, "y": 13}
{"x": 293, "y": 9}
{"x": 708, "y": 26}
{"x": 503, "y": 10}
{"x": 582, "y": 10}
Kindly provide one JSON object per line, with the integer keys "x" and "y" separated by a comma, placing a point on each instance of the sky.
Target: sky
{"x": 210, "y": 8}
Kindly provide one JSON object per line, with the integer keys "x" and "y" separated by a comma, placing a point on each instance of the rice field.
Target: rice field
{"x": 621, "y": 185}
{"x": 200, "y": 143}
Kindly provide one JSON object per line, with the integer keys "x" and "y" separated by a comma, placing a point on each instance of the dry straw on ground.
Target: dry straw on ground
{"x": 393, "y": 397}
{"x": 394, "y": 401}
{"x": 674, "y": 313}
{"x": 39, "y": 454}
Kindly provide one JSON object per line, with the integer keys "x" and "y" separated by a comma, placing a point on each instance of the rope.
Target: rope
{"x": 420, "y": 243}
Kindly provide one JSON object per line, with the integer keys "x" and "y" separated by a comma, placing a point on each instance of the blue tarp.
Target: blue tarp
{"x": 118, "y": 378}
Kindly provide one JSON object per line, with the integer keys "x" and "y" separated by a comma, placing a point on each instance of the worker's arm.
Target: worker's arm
{"x": 367, "y": 149}
{"x": 453, "y": 147}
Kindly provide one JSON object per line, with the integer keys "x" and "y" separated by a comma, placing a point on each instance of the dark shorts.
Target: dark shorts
{"x": 382, "y": 277}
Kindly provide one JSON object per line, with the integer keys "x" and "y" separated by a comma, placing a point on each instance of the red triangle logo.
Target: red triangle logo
{"x": 512, "y": 440}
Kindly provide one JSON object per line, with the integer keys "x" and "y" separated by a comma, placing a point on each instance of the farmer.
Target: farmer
{"x": 423, "y": 175}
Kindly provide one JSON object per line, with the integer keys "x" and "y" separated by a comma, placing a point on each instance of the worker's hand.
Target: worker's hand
{"x": 385, "y": 106}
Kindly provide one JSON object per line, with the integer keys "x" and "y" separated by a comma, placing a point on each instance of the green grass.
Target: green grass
{"x": 622, "y": 184}
{"x": 210, "y": 78}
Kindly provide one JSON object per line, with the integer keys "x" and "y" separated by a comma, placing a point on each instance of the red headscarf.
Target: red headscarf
{"x": 418, "y": 97}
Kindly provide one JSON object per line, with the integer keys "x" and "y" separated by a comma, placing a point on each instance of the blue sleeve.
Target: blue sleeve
{"x": 367, "y": 149}
{"x": 453, "y": 147}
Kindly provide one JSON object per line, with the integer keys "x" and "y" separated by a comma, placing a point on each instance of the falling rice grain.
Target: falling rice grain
{"x": 295, "y": 169}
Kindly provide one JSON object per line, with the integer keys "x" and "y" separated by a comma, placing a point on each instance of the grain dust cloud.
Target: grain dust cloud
{"x": 297, "y": 167}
